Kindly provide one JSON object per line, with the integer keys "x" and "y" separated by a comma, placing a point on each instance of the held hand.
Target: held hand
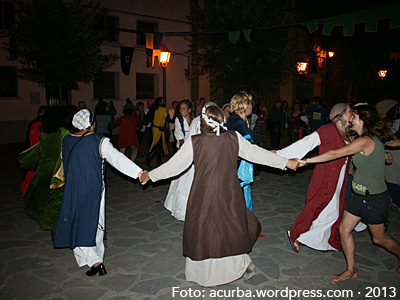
{"x": 393, "y": 143}
{"x": 302, "y": 162}
{"x": 145, "y": 177}
{"x": 388, "y": 158}
{"x": 292, "y": 164}
{"x": 140, "y": 176}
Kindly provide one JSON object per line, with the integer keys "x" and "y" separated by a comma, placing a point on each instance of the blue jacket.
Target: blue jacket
{"x": 235, "y": 122}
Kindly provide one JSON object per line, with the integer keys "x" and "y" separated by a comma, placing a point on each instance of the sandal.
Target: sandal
{"x": 294, "y": 245}
{"x": 343, "y": 277}
{"x": 250, "y": 271}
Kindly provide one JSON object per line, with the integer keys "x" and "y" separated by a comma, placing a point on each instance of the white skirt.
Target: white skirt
{"x": 216, "y": 271}
{"x": 178, "y": 194}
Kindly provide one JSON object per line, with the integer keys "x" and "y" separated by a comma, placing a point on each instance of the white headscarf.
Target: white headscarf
{"x": 216, "y": 127}
{"x": 82, "y": 119}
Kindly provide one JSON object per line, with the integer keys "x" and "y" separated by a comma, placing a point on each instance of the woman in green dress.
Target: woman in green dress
{"x": 42, "y": 203}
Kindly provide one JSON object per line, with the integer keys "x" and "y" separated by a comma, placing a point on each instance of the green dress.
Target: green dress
{"x": 42, "y": 203}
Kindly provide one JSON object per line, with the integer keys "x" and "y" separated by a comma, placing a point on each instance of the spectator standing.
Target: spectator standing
{"x": 226, "y": 108}
{"x": 199, "y": 105}
{"x": 317, "y": 114}
{"x": 172, "y": 112}
{"x": 159, "y": 127}
{"x": 141, "y": 114}
{"x": 276, "y": 121}
{"x": 148, "y": 123}
{"x": 127, "y": 138}
{"x": 82, "y": 105}
{"x": 111, "y": 110}
{"x": 103, "y": 119}
{"x": 298, "y": 127}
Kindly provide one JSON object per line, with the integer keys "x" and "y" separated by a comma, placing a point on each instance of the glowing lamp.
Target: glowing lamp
{"x": 382, "y": 73}
{"x": 302, "y": 67}
{"x": 164, "y": 56}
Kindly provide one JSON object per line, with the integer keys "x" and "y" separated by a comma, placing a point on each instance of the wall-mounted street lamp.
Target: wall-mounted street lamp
{"x": 382, "y": 73}
{"x": 302, "y": 67}
{"x": 165, "y": 56}
{"x": 331, "y": 53}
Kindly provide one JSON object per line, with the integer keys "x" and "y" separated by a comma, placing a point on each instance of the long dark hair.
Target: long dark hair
{"x": 189, "y": 105}
{"x": 158, "y": 102}
{"x": 54, "y": 118}
{"x": 373, "y": 125}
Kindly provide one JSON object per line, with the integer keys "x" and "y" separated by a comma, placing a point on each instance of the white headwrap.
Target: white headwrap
{"x": 82, "y": 119}
{"x": 211, "y": 122}
{"x": 359, "y": 104}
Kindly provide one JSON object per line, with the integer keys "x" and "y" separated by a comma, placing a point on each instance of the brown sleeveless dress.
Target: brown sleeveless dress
{"x": 218, "y": 223}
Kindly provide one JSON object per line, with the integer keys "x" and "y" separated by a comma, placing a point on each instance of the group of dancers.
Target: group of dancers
{"x": 220, "y": 229}
{"x": 325, "y": 223}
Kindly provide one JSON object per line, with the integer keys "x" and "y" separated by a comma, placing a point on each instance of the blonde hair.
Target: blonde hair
{"x": 240, "y": 101}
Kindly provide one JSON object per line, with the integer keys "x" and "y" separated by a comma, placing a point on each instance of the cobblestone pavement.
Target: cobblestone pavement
{"x": 144, "y": 248}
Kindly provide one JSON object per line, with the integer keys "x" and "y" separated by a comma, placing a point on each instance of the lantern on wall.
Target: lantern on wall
{"x": 382, "y": 73}
{"x": 302, "y": 67}
{"x": 165, "y": 55}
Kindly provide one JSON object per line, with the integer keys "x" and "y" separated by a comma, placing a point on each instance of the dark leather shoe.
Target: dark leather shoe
{"x": 99, "y": 269}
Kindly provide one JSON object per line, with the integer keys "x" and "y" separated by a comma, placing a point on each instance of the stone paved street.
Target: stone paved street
{"x": 144, "y": 248}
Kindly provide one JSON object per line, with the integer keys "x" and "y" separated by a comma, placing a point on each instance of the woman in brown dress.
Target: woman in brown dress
{"x": 219, "y": 230}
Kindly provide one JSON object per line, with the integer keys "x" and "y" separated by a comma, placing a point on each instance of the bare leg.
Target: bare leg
{"x": 380, "y": 238}
{"x": 349, "y": 221}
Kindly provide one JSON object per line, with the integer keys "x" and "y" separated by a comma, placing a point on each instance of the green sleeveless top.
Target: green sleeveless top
{"x": 370, "y": 175}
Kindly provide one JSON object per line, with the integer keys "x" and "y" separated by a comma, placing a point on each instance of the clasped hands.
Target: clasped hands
{"x": 143, "y": 177}
{"x": 294, "y": 163}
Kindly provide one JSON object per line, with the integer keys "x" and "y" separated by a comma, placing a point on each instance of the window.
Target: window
{"x": 109, "y": 26}
{"x": 7, "y": 16}
{"x": 145, "y": 26}
{"x": 146, "y": 85}
{"x": 8, "y": 82}
{"x": 106, "y": 86}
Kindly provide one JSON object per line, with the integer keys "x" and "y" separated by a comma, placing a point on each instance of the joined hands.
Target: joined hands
{"x": 143, "y": 177}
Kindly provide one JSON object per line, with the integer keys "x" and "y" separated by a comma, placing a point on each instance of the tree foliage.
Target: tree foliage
{"x": 353, "y": 71}
{"x": 259, "y": 66}
{"x": 58, "y": 44}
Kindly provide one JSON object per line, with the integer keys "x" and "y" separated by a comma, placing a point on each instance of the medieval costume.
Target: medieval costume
{"x": 33, "y": 138}
{"x": 215, "y": 253}
{"x": 317, "y": 226}
{"x": 159, "y": 143}
{"x": 245, "y": 169}
{"x": 81, "y": 223}
{"x": 42, "y": 203}
{"x": 179, "y": 188}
